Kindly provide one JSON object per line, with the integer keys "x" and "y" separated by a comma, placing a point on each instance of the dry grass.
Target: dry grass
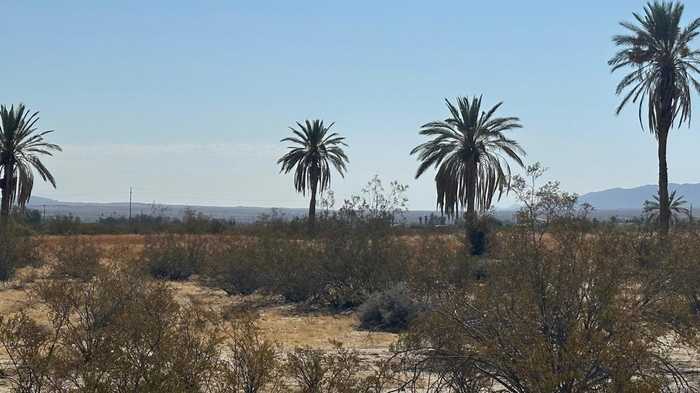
{"x": 287, "y": 324}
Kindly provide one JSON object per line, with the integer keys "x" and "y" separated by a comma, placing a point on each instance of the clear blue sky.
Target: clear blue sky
{"x": 187, "y": 101}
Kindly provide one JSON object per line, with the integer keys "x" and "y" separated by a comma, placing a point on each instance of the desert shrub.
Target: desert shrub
{"x": 16, "y": 250}
{"x": 679, "y": 255}
{"x": 580, "y": 305}
{"x": 359, "y": 260}
{"x": 299, "y": 276}
{"x": 355, "y": 253}
{"x": 77, "y": 257}
{"x": 114, "y": 333}
{"x": 251, "y": 363}
{"x": 339, "y": 270}
{"x": 119, "y": 332}
{"x": 63, "y": 225}
{"x": 391, "y": 310}
{"x": 437, "y": 262}
{"x": 336, "y": 371}
{"x": 237, "y": 267}
{"x": 175, "y": 257}
{"x": 28, "y": 345}
{"x": 271, "y": 263}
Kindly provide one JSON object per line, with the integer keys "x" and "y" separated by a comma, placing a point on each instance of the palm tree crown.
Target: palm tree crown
{"x": 664, "y": 65}
{"x": 470, "y": 153}
{"x": 314, "y": 152}
{"x": 21, "y": 146}
{"x": 676, "y": 205}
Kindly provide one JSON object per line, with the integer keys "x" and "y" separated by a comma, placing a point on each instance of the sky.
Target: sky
{"x": 186, "y": 102}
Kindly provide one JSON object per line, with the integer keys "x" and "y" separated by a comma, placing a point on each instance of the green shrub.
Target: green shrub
{"x": 63, "y": 225}
{"x": 575, "y": 300}
{"x": 289, "y": 267}
{"x": 16, "y": 250}
{"x": 175, "y": 257}
{"x": 391, "y": 310}
{"x": 360, "y": 260}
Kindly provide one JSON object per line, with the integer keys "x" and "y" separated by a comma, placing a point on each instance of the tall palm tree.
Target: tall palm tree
{"x": 651, "y": 208}
{"x": 664, "y": 68}
{"x": 314, "y": 152}
{"x": 21, "y": 146}
{"x": 470, "y": 153}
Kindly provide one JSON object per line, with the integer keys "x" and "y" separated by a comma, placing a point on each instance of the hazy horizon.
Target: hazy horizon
{"x": 188, "y": 105}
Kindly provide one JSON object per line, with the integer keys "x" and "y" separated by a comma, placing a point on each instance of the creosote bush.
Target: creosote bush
{"x": 391, "y": 310}
{"x": 77, "y": 257}
{"x": 175, "y": 257}
{"x": 119, "y": 332}
{"x": 17, "y": 249}
{"x": 340, "y": 269}
{"x": 113, "y": 333}
{"x": 337, "y": 371}
{"x": 577, "y": 310}
{"x": 251, "y": 363}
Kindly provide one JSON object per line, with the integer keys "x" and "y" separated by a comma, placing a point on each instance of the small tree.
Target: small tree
{"x": 377, "y": 204}
{"x": 544, "y": 205}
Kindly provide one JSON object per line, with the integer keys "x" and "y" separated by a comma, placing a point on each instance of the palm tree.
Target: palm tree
{"x": 662, "y": 77}
{"x": 21, "y": 146}
{"x": 470, "y": 153}
{"x": 314, "y": 152}
{"x": 676, "y": 205}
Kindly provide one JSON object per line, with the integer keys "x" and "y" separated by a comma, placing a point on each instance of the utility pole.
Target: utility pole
{"x": 131, "y": 193}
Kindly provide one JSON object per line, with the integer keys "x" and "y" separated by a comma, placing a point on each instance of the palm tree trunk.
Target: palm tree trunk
{"x": 7, "y": 188}
{"x": 664, "y": 210}
{"x": 470, "y": 215}
{"x": 312, "y": 206}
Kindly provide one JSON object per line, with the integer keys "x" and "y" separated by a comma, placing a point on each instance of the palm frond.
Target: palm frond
{"x": 314, "y": 152}
{"x": 469, "y": 151}
{"x": 656, "y": 49}
{"x": 21, "y": 148}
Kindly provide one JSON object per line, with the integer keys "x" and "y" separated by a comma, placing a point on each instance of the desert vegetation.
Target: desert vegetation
{"x": 554, "y": 301}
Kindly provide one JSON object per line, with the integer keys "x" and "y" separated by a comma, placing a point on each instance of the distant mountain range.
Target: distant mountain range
{"x": 621, "y": 202}
{"x": 633, "y": 198}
